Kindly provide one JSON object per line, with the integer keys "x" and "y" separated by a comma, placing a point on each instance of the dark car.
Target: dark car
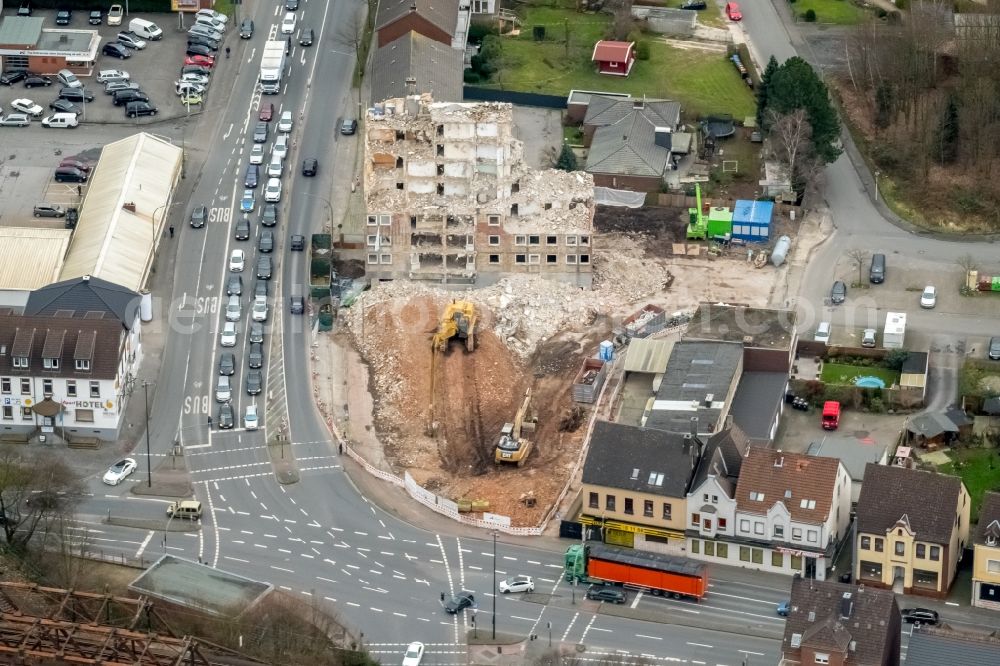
{"x": 252, "y": 176}
{"x": 994, "y": 350}
{"x": 72, "y": 215}
{"x": 694, "y": 4}
{"x": 96, "y": 17}
{"x": 76, "y": 95}
{"x": 227, "y": 363}
{"x": 269, "y": 216}
{"x": 197, "y": 50}
{"x": 201, "y": 40}
{"x": 266, "y": 242}
{"x": 10, "y": 78}
{"x": 296, "y": 304}
{"x": 306, "y": 37}
{"x": 256, "y": 332}
{"x": 838, "y": 294}
{"x": 123, "y": 97}
{"x": 459, "y": 602}
{"x": 243, "y": 228}
{"x": 116, "y": 50}
{"x": 298, "y": 243}
{"x": 266, "y": 112}
{"x": 76, "y": 164}
{"x": 255, "y": 382}
{"x": 24, "y": 9}
{"x": 70, "y": 175}
{"x": 264, "y": 267}
{"x": 199, "y": 215}
{"x": 255, "y": 358}
{"x": 36, "y": 81}
{"x": 919, "y": 616}
{"x": 195, "y": 69}
{"x": 136, "y": 109}
{"x": 260, "y": 288}
{"x": 64, "y": 106}
{"x": 226, "y": 419}
{"x": 606, "y": 593}
{"x": 246, "y": 29}
{"x": 260, "y": 133}
{"x": 309, "y": 166}
{"x": 349, "y": 126}
{"x": 234, "y": 285}
{"x": 291, "y": 5}
{"x": 64, "y": 16}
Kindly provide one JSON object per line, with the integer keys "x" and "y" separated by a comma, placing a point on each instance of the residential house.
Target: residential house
{"x": 934, "y": 646}
{"x": 700, "y": 381}
{"x": 441, "y": 20}
{"x": 450, "y": 200}
{"x": 631, "y": 141}
{"x": 614, "y": 58}
{"x": 68, "y": 364}
{"x": 635, "y": 482}
{"x": 912, "y": 529}
{"x": 415, "y": 64}
{"x": 986, "y": 554}
{"x": 792, "y": 510}
{"x": 854, "y": 454}
{"x": 711, "y": 503}
{"x": 841, "y": 625}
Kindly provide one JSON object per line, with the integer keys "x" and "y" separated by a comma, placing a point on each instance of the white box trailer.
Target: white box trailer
{"x": 894, "y": 335}
{"x": 272, "y": 67}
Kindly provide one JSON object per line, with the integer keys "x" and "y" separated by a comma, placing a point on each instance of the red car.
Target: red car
{"x": 266, "y": 112}
{"x": 70, "y": 162}
{"x": 733, "y": 11}
{"x": 201, "y": 61}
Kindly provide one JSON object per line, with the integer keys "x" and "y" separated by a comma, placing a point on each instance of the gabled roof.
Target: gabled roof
{"x": 822, "y": 618}
{"x": 930, "y": 424}
{"x": 722, "y": 459}
{"x": 83, "y": 295}
{"x": 604, "y": 110}
{"x": 640, "y": 459}
{"x": 757, "y": 401}
{"x": 628, "y": 148}
{"x": 804, "y": 484}
{"x": 611, "y": 51}
{"x": 934, "y": 646}
{"x": 989, "y": 519}
{"x": 442, "y": 13}
{"x": 70, "y": 338}
{"x": 959, "y": 417}
{"x": 888, "y": 493}
{"x": 415, "y": 64}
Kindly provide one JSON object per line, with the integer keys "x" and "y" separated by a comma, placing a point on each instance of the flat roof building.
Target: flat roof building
{"x": 25, "y": 45}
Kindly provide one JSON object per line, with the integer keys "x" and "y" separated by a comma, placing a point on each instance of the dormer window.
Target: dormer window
{"x": 83, "y": 364}
{"x": 19, "y": 361}
{"x": 50, "y": 363}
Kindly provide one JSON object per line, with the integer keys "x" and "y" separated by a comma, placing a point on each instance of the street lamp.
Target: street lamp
{"x": 877, "y": 173}
{"x": 494, "y": 585}
{"x": 149, "y": 467}
{"x": 329, "y": 208}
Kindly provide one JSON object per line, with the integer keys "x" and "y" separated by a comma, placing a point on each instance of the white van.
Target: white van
{"x": 68, "y": 79}
{"x": 145, "y": 29}
{"x": 61, "y": 121}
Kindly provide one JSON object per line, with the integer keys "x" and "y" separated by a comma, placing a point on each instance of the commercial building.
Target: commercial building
{"x": 711, "y": 503}
{"x": 25, "y": 45}
{"x": 986, "y": 551}
{"x": 450, "y": 200}
{"x": 30, "y": 258}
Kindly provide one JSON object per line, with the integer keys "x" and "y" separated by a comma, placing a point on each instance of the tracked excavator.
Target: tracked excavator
{"x": 512, "y": 447}
{"x": 458, "y": 321}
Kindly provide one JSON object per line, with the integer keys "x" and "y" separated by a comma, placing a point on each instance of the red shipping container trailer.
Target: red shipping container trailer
{"x": 663, "y": 574}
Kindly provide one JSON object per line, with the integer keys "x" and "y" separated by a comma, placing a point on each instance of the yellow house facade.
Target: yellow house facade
{"x": 986, "y": 555}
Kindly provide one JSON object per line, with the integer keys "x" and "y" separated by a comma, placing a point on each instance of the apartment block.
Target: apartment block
{"x": 450, "y": 200}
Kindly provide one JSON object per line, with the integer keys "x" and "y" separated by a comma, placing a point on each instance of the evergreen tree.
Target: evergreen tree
{"x": 947, "y": 142}
{"x": 567, "y": 159}
{"x": 765, "y": 82}
{"x": 794, "y": 85}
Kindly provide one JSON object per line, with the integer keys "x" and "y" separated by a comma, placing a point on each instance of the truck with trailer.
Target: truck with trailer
{"x": 894, "y": 334}
{"x": 272, "y": 67}
{"x": 660, "y": 574}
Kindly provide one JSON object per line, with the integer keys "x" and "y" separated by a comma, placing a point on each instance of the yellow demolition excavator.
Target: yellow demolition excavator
{"x": 458, "y": 321}
{"x": 512, "y": 447}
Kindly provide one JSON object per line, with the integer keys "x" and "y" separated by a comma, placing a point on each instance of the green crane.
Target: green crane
{"x": 697, "y": 222}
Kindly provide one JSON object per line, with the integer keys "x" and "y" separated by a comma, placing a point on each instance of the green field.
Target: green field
{"x": 703, "y": 82}
{"x": 839, "y": 373}
{"x": 842, "y": 12}
{"x": 979, "y": 469}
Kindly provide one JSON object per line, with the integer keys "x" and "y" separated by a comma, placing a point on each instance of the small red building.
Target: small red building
{"x": 614, "y": 58}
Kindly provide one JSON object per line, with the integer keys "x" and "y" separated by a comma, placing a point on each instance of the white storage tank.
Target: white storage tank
{"x": 146, "y": 307}
{"x": 781, "y": 250}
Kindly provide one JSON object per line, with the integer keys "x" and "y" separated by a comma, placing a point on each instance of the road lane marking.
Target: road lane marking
{"x": 145, "y": 543}
{"x": 571, "y": 623}
{"x": 236, "y": 559}
{"x": 759, "y": 654}
{"x": 655, "y": 638}
{"x": 282, "y": 569}
{"x": 635, "y": 602}
{"x": 700, "y": 645}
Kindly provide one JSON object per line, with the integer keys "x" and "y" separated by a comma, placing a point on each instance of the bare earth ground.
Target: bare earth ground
{"x": 532, "y": 332}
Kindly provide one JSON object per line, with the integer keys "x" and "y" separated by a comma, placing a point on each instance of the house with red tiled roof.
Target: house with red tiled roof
{"x": 791, "y": 512}
{"x": 615, "y": 58}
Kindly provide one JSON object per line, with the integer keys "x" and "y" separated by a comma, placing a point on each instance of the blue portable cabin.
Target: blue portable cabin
{"x": 752, "y": 220}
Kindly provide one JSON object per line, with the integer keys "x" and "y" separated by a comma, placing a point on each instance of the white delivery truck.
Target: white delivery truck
{"x": 272, "y": 67}
{"x": 895, "y": 330}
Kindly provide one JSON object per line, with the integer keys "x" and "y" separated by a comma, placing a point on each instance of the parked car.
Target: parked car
{"x": 200, "y": 60}
{"x": 928, "y": 299}
{"x": 349, "y": 126}
{"x": 127, "y": 96}
{"x": 868, "y": 337}
{"x": 189, "y": 90}
{"x": 119, "y": 471}
{"x": 136, "y": 109}
{"x": 838, "y": 293}
{"x": 24, "y": 9}
{"x": 196, "y": 69}
{"x": 27, "y": 106}
{"x": 64, "y": 106}
{"x": 96, "y": 17}
{"x": 198, "y": 40}
{"x": 10, "y": 78}
{"x": 115, "y": 14}
{"x": 76, "y": 95}
{"x": 212, "y": 14}
{"x": 131, "y": 40}
{"x": 920, "y": 616}
{"x": 70, "y": 175}
{"x": 196, "y": 50}
{"x": 693, "y": 4}
{"x": 994, "y": 351}
{"x": 68, "y": 79}
{"x": 116, "y": 50}
{"x": 61, "y": 121}
{"x": 64, "y": 16}
{"x": 606, "y": 593}
{"x": 193, "y": 77}
{"x": 226, "y": 417}
{"x": 199, "y": 215}
{"x": 37, "y": 81}
{"x": 246, "y": 29}
{"x": 15, "y": 120}
{"x": 733, "y": 11}
{"x": 459, "y": 602}
{"x": 114, "y": 86}
{"x": 309, "y": 166}
{"x": 822, "y": 332}
{"x": 48, "y": 210}
{"x": 272, "y": 191}
{"x": 109, "y": 75}
{"x": 784, "y": 608}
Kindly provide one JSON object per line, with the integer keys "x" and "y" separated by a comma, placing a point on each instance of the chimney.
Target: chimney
{"x": 709, "y": 399}
{"x": 846, "y": 606}
{"x": 694, "y": 426}
{"x": 411, "y": 85}
{"x": 638, "y": 103}
{"x": 662, "y": 138}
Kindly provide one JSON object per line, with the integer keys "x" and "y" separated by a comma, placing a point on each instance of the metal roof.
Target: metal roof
{"x": 115, "y": 243}
{"x": 31, "y": 258}
{"x": 649, "y": 559}
{"x": 21, "y": 30}
{"x": 933, "y": 646}
{"x": 852, "y": 452}
{"x": 757, "y": 401}
{"x": 83, "y": 296}
{"x": 696, "y": 370}
{"x": 646, "y": 355}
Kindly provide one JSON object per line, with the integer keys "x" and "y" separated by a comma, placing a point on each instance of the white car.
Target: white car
{"x": 414, "y": 654}
{"x": 259, "y": 312}
{"x": 185, "y": 88}
{"x": 928, "y": 299}
{"x": 272, "y": 193}
{"x": 115, "y": 14}
{"x": 212, "y": 14}
{"x": 281, "y": 146}
{"x": 257, "y": 154}
{"x": 275, "y": 169}
{"x": 517, "y": 584}
{"x": 288, "y": 24}
{"x": 823, "y": 332}
{"x": 250, "y": 418}
{"x": 27, "y": 106}
{"x": 228, "y": 337}
{"x": 285, "y": 122}
{"x": 61, "y": 120}
{"x": 237, "y": 260}
{"x": 117, "y": 472}
{"x": 193, "y": 77}
{"x": 106, "y": 75}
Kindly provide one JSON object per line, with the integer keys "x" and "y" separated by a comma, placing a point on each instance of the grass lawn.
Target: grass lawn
{"x": 980, "y": 469}
{"x": 839, "y": 373}
{"x": 842, "y": 12}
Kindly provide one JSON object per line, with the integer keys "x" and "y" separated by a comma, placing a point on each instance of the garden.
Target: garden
{"x": 979, "y": 469}
{"x": 840, "y": 12}
{"x": 855, "y": 371}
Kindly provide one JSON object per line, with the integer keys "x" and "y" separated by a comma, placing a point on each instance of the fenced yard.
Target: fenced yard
{"x": 844, "y": 374}
{"x": 979, "y": 469}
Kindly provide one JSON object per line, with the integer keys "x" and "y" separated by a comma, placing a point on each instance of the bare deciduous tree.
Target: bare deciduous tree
{"x": 622, "y": 22}
{"x": 790, "y": 143}
{"x": 36, "y": 492}
{"x": 860, "y": 258}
